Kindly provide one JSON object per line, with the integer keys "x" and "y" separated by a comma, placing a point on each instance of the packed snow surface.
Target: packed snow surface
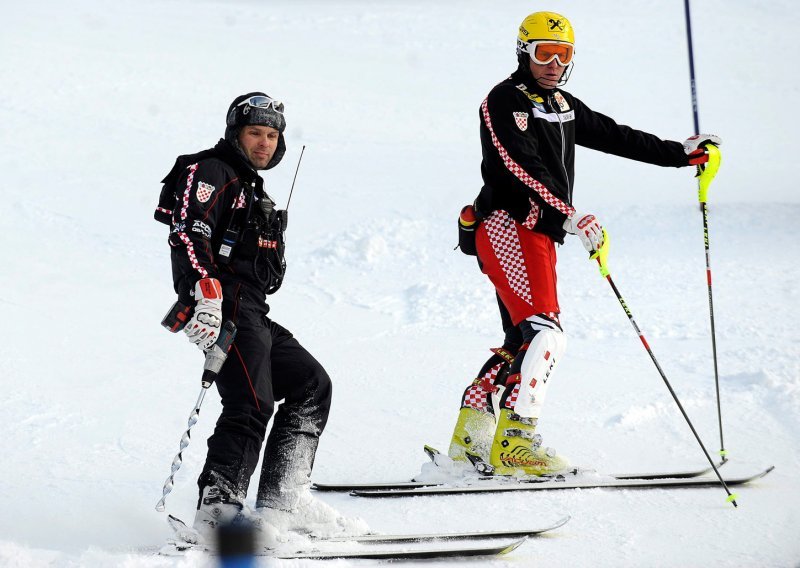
{"x": 97, "y": 99}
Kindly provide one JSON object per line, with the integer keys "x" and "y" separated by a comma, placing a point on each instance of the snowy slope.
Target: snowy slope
{"x": 96, "y": 102}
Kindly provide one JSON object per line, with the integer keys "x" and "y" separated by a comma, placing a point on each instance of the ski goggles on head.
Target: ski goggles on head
{"x": 260, "y": 101}
{"x": 543, "y": 52}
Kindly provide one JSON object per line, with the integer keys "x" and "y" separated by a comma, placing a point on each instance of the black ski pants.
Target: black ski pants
{"x": 266, "y": 364}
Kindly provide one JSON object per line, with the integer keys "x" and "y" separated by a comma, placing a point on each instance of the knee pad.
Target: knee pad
{"x": 543, "y": 354}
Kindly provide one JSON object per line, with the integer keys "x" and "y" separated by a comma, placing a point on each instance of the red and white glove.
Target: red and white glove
{"x": 695, "y": 147}
{"x": 203, "y": 328}
{"x": 588, "y": 228}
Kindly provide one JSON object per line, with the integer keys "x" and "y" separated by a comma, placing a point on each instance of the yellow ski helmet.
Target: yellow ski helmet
{"x": 543, "y": 26}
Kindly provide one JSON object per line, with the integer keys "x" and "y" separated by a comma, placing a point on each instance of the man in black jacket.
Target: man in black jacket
{"x": 227, "y": 250}
{"x": 529, "y": 129}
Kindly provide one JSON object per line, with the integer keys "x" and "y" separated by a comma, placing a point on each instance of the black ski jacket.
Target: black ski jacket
{"x": 223, "y": 224}
{"x": 528, "y": 138}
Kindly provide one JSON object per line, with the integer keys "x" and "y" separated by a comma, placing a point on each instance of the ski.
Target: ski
{"x": 187, "y": 540}
{"x": 424, "y": 553}
{"x": 688, "y": 474}
{"x": 178, "y": 549}
{"x": 427, "y": 537}
{"x": 533, "y": 485}
{"x": 370, "y": 486}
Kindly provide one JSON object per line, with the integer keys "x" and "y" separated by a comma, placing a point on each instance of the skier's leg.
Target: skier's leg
{"x": 284, "y": 499}
{"x": 516, "y": 448}
{"x": 521, "y": 264}
{"x": 475, "y": 426}
{"x": 545, "y": 343}
{"x": 292, "y": 443}
{"x": 247, "y": 403}
{"x": 234, "y": 446}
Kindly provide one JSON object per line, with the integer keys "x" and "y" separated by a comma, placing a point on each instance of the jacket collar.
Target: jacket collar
{"x": 235, "y": 158}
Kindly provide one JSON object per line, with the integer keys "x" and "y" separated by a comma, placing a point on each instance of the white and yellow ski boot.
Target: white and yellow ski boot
{"x": 472, "y": 435}
{"x": 476, "y": 423}
{"x": 517, "y": 449}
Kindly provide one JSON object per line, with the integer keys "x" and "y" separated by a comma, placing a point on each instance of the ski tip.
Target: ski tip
{"x": 175, "y": 523}
{"x": 430, "y": 451}
{"x": 513, "y": 546}
{"x": 562, "y": 521}
{"x": 766, "y": 471}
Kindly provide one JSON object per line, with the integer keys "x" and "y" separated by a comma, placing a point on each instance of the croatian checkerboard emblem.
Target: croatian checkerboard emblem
{"x": 204, "y": 191}
{"x": 522, "y": 120}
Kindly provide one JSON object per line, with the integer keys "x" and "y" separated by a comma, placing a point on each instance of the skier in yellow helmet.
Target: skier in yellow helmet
{"x": 529, "y": 127}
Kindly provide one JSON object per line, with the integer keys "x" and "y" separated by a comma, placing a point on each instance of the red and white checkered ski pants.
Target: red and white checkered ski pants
{"x": 520, "y": 263}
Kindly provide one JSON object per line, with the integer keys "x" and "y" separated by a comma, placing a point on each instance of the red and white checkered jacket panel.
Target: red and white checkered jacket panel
{"x": 533, "y": 216}
{"x": 188, "y": 191}
{"x": 192, "y": 256}
{"x": 519, "y": 172}
{"x": 182, "y": 235}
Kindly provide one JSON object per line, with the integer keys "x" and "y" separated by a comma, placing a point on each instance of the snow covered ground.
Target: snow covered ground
{"x": 97, "y": 99}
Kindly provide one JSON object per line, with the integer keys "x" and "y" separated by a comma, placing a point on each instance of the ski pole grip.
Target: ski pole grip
{"x": 708, "y": 173}
{"x": 177, "y": 317}
{"x": 602, "y": 255}
{"x": 216, "y": 356}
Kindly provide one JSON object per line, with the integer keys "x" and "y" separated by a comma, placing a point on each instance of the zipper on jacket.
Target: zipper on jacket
{"x": 554, "y": 106}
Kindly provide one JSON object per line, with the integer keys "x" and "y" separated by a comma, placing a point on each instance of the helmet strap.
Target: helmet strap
{"x": 566, "y": 74}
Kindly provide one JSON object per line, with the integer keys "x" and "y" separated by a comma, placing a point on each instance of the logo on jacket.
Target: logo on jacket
{"x": 561, "y": 101}
{"x": 531, "y": 96}
{"x": 204, "y": 191}
{"x": 202, "y": 228}
{"x": 522, "y": 120}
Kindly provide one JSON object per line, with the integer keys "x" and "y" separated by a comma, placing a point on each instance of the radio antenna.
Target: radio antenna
{"x": 300, "y": 159}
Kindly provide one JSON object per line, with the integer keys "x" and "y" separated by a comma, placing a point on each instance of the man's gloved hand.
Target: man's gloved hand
{"x": 588, "y": 228}
{"x": 695, "y": 147}
{"x": 203, "y": 328}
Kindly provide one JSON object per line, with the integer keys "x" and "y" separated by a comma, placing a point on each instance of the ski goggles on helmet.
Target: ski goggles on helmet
{"x": 261, "y": 101}
{"x": 543, "y": 52}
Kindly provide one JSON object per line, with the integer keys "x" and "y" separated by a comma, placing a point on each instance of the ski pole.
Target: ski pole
{"x": 215, "y": 358}
{"x": 691, "y": 66}
{"x": 601, "y": 256}
{"x": 704, "y": 177}
{"x": 704, "y": 209}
